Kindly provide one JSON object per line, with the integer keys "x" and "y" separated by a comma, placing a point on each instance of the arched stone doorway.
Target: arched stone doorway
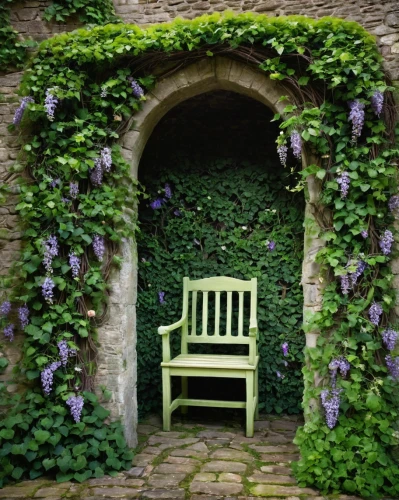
{"x": 117, "y": 355}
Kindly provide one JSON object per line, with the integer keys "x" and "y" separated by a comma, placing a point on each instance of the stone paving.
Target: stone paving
{"x": 195, "y": 461}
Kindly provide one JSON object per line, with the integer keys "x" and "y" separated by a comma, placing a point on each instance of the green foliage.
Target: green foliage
{"x": 326, "y": 64}
{"x": 87, "y": 11}
{"x": 228, "y": 213}
{"x": 12, "y": 51}
{"x": 37, "y": 437}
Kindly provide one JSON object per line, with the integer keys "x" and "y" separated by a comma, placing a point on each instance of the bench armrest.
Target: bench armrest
{"x": 163, "y": 330}
{"x": 253, "y": 328}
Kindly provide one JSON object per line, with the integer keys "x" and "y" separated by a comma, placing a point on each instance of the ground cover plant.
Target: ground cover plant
{"x": 80, "y": 93}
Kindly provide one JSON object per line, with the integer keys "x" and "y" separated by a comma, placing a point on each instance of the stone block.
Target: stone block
{"x": 216, "y": 488}
{"x": 170, "y": 480}
{"x": 258, "y": 477}
{"x": 223, "y": 466}
{"x": 165, "y": 494}
{"x": 229, "y": 454}
{"x": 268, "y": 490}
{"x": 116, "y": 492}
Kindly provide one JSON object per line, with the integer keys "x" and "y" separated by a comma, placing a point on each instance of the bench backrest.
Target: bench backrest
{"x": 221, "y": 292}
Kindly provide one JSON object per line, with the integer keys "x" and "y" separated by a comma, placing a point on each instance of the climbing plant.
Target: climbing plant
{"x": 86, "y": 11}
{"x": 230, "y": 218}
{"x": 341, "y": 109}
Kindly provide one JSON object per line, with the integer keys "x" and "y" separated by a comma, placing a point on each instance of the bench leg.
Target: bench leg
{"x": 256, "y": 392}
{"x": 166, "y": 390}
{"x": 184, "y": 392}
{"x": 250, "y": 376}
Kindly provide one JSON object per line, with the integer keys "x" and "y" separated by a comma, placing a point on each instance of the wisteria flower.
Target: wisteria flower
{"x": 55, "y": 182}
{"x": 284, "y": 348}
{"x": 23, "y": 313}
{"x": 377, "y": 100}
{"x": 138, "y": 92}
{"x": 386, "y": 241}
{"x": 177, "y": 213}
{"x": 296, "y": 144}
{"x": 271, "y": 246}
{"x": 168, "y": 191}
{"x": 106, "y": 159}
{"x": 330, "y": 399}
{"x": 344, "y": 181}
{"x": 74, "y": 262}
{"x": 161, "y": 297}
{"x": 96, "y": 175}
{"x": 356, "y": 116}
{"x": 74, "y": 190}
{"x": 341, "y": 364}
{"x": 9, "y": 332}
{"x": 47, "y": 376}
{"x": 19, "y": 112}
{"x": 47, "y": 290}
{"x": 50, "y": 104}
{"x": 50, "y": 251}
{"x": 389, "y": 337}
{"x": 393, "y": 204}
{"x": 5, "y": 308}
{"x": 282, "y": 151}
{"x": 98, "y": 247}
{"x": 345, "y": 284}
{"x": 279, "y": 375}
{"x": 364, "y": 233}
{"x": 65, "y": 352}
{"x": 375, "y": 313}
{"x": 393, "y": 366}
{"x": 156, "y": 203}
{"x": 75, "y": 404}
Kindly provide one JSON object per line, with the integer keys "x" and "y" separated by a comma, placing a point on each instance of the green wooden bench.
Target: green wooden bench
{"x": 213, "y": 365}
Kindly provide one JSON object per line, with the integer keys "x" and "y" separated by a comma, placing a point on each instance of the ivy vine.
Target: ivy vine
{"x": 86, "y": 86}
{"x": 86, "y": 11}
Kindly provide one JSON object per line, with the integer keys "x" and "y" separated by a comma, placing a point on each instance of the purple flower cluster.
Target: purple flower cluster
{"x": 364, "y": 233}
{"x": 74, "y": 262}
{"x": 349, "y": 280}
{"x": 19, "y": 112}
{"x": 279, "y": 375}
{"x": 330, "y": 399}
{"x": 55, "y": 182}
{"x": 106, "y": 159}
{"x": 96, "y": 175}
{"x": 344, "y": 182}
{"x": 356, "y": 116}
{"x": 375, "y": 313}
{"x": 98, "y": 247}
{"x": 64, "y": 352}
{"x": 47, "y": 376}
{"x": 168, "y": 191}
{"x": 75, "y": 404}
{"x": 385, "y": 242}
{"x": 377, "y": 100}
{"x": 284, "y": 348}
{"x": 282, "y": 153}
{"x": 9, "y": 332}
{"x": 161, "y": 297}
{"x": 389, "y": 338}
{"x": 393, "y": 366}
{"x": 47, "y": 290}
{"x": 393, "y": 204}
{"x": 74, "y": 190}
{"x": 271, "y": 246}
{"x": 177, "y": 213}
{"x": 341, "y": 364}
{"x": 138, "y": 92}
{"x": 50, "y": 104}
{"x": 23, "y": 313}
{"x": 296, "y": 144}
{"x": 51, "y": 251}
{"x": 156, "y": 203}
{"x": 5, "y": 308}
{"x": 345, "y": 284}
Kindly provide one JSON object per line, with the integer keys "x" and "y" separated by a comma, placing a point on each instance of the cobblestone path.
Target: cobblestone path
{"x": 194, "y": 462}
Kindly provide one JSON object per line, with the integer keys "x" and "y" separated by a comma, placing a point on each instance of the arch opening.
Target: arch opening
{"x": 217, "y": 153}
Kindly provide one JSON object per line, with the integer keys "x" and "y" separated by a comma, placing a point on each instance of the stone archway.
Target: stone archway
{"x": 117, "y": 366}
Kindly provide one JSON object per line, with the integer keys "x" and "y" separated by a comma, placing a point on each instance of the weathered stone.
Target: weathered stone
{"x": 229, "y": 454}
{"x": 170, "y": 442}
{"x": 151, "y": 450}
{"x": 218, "y": 442}
{"x": 268, "y": 490}
{"x": 275, "y": 449}
{"x": 116, "y": 492}
{"x": 276, "y": 469}
{"x": 261, "y": 424}
{"x": 258, "y": 477}
{"x": 142, "y": 459}
{"x": 134, "y": 472}
{"x": 17, "y": 492}
{"x": 283, "y": 457}
{"x": 284, "y": 425}
{"x": 189, "y": 453}
{"x": 165, "y": 480}
{"x": 170, "y": 434}
{"x": 229, "y": 477}
{"x": 215, "y": 435}
{"x": 205, "y": 477}
{"x": 182, "y": 460}
{"x": 223, "y": 466}
{"x": 52, "y": 491}
{"x": 198, "y": 447}
{"x": 216, "y": 488}
{"x": 172, "y": 468}
{"x": 146, "y": 429}
{"x": 165, "y": 494}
